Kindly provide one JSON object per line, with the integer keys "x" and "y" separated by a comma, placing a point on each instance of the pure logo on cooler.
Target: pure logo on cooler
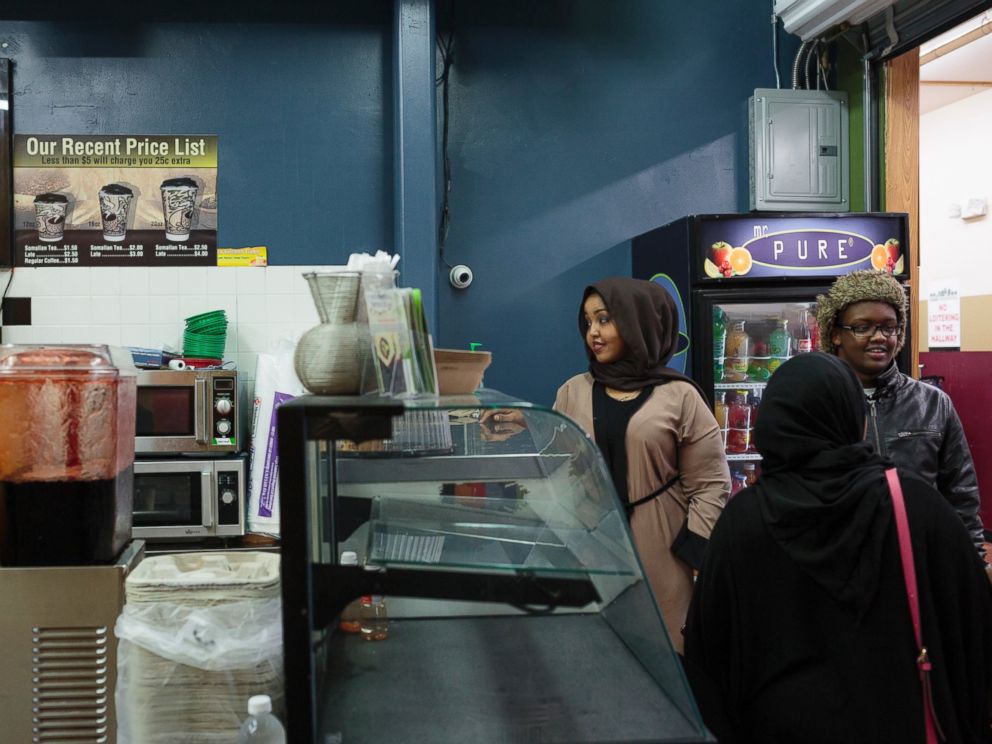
{"x": 788, "y": 247}
{"x": 819, "y": 249}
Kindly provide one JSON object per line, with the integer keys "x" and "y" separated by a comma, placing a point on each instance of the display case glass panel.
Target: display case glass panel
{"x": 518, "y": 608}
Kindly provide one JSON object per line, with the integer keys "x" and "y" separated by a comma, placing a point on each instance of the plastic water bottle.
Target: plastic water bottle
{"x": 261, "y": 727}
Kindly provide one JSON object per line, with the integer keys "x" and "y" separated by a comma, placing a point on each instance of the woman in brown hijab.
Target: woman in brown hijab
{"x": 655, "y": 430}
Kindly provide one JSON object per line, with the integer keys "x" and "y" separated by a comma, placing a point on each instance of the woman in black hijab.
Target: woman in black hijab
{"x": 656, "y": 432}
{"x": 800, "y": 630}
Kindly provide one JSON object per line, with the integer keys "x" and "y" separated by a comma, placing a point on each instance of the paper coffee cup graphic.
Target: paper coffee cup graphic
{"x": 115, "y": 203}
{"x": 178, "y": 200}
{"x": 49, "y": 210}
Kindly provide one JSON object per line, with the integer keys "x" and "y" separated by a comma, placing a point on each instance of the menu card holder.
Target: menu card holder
{"x": 402, "y": 350}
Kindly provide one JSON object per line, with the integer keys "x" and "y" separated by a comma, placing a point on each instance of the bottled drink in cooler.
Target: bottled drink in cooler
{"x": 754, "y": 403}
{"x": 719, "y": 342}
{"x": 758, "y": 369}
{"x": 738, "y": 348}
{"x": 804, "y": 334}
{"x": 375, "y": 625}
{"x": 739, "y": 416}
{"x": 779, "y": 341}
{"x": 738, "y": 342}
{"x": 750, "y": 470}
{"x": 738, "y": 481}
{"x": 720, "y": 410}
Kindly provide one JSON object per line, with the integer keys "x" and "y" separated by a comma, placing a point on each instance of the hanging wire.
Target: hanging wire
{"x": 809, "y": 55}
{"x": 796, "y": 62}
{"x": 445, "y": 48}
{"x": 778, "y": 80}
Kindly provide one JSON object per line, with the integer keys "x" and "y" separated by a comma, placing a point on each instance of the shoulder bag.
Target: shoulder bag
{"x": 909, "y": 574}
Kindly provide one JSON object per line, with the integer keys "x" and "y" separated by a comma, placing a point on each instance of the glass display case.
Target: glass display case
{"x": 518, "y": 608}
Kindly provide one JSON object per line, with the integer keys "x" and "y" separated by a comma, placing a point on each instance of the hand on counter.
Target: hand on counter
{"x": 499, "y": 424}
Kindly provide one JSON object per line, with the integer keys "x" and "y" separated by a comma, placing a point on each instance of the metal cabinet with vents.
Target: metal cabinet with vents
{"x": 58, "y": 652}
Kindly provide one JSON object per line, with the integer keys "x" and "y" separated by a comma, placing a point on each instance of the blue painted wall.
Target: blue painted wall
{"x": 574, "y": 127}
{"x": 301, "y": 110}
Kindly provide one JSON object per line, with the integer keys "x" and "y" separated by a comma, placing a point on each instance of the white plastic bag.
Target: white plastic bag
{"x": 199, "y": 634}
{"x": 185, "y": 673}
{"x": 275, "y": 383}
{"x": 220, "y": 637}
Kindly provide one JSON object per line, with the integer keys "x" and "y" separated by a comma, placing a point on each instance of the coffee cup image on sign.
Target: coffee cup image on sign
{"x": 178, "y": 204}
{"x": 50, "y": 211}
{"x": 115, "y": 203}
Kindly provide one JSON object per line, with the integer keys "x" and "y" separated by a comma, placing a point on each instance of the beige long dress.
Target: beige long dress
{"x": 674, "y": 432}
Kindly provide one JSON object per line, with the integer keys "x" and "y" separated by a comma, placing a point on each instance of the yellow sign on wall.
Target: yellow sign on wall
{"x": 256, "y": 256}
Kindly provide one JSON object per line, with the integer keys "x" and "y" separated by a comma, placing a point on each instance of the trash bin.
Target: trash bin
{"x": 200, "y": 633}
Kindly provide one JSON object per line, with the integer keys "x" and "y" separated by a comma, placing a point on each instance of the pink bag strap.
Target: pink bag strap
{"x": 930, "y": 721}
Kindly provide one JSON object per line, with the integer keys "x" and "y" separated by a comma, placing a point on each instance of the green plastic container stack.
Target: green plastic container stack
{"x": 205, "y": 336}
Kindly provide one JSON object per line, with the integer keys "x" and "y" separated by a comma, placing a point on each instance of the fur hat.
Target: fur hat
{"x": 859, "y": 286}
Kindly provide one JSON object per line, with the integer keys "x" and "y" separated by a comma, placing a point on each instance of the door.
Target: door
{"x": 744, "y": 338}
{"x": 171, "y": 498}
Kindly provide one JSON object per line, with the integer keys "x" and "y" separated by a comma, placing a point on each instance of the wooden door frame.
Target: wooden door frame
{"x": 901, "y": 148}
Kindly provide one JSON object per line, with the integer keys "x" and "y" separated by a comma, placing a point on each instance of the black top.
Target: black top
{"x": 610, "y": 418}
{"x": 774, "y": 657}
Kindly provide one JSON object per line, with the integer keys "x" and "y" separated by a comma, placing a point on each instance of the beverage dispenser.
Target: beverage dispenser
{"x": 67, "y": 418}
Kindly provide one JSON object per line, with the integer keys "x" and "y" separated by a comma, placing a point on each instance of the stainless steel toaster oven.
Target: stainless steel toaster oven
{"x": 178, "y": 498}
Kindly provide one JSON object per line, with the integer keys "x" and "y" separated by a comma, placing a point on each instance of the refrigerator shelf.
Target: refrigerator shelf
{"x": 746, "y": 456}
{"x": 739, "y": 385}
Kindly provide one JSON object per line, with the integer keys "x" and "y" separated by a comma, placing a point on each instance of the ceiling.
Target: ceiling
{"x": 956, "y": 73}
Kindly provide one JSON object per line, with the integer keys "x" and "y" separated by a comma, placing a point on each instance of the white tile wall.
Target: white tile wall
{"x": 141, "y": 306}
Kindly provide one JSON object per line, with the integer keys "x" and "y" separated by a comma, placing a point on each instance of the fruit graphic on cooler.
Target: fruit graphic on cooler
{"x": 879, "y": 257}
{"x": 740, "y": 261}
{"x": 887, "y": 257}
{"x": 895, "y": 261}
{"x": 711, "y": 270}
{"x": 726, "y": 261}
{"x": 721, "y": 251}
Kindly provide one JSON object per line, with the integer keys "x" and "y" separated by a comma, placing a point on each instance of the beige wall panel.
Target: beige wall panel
{"x": 976, "y": 323}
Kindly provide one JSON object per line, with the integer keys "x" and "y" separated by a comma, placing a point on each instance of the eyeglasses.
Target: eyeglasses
{"x": 867, "y": 331}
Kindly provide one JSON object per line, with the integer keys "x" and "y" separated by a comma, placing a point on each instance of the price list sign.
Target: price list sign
{"x": 115, "y": 200}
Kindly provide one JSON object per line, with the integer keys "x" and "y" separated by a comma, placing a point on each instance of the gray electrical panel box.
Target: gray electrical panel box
{"x": 799, "y": 150}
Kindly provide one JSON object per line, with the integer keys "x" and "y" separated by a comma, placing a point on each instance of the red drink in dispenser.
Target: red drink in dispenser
{"x": 67, "y": 418}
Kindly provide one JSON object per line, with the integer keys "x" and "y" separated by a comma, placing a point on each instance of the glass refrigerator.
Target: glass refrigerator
{"x": 746, "y": 288}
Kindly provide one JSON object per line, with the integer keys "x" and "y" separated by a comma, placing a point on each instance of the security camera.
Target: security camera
{"x": 460, "y": 276}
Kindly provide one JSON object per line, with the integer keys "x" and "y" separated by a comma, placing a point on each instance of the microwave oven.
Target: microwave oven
{"x": 190, "y": 411}
{"x": 186, "y": 498}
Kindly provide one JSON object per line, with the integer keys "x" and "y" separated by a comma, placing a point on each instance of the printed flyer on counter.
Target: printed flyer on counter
{"x": 115, "y": 200}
